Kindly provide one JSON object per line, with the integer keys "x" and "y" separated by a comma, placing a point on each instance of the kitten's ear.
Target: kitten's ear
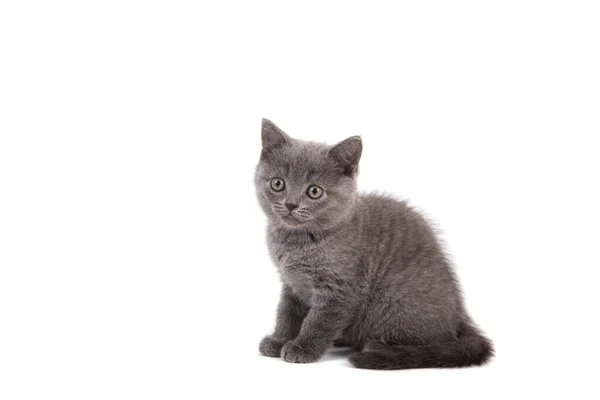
{"x": 272, "y": 136}
{"x": 347, "y": 155}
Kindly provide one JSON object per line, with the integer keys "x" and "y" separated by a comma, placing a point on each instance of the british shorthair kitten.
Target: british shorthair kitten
{"x": 360, "y": 270}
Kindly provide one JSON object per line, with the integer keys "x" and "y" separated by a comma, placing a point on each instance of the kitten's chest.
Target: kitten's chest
{"x": 301, "y": 266}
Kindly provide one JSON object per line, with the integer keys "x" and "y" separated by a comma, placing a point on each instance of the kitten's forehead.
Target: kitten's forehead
{"x": 302, "y": 160}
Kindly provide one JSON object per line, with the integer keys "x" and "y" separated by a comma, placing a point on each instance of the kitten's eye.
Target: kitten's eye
{"x": 277, "y": 184}
{"x": 314, "y": 192}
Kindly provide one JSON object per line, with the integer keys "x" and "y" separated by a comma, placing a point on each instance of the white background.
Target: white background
{"x": 132, "y": 256}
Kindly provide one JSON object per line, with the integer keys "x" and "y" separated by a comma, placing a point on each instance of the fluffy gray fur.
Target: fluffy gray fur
{"x": 361, "y": 270}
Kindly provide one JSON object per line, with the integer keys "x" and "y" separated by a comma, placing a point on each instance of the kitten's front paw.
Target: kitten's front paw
{"x": 270, "y": 347}
{"x": 294, "y": 353}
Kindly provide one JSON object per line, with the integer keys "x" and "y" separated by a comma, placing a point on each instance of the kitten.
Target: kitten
{"x": 361, "y": 270}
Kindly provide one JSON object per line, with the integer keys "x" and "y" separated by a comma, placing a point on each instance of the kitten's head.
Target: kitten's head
{"x": 305, "y": 184}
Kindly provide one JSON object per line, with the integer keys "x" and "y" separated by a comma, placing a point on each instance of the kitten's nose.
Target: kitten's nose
{"x": 291, "y": 206}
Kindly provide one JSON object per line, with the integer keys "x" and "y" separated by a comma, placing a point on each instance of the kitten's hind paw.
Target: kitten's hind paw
{"x": 270, "y": 347}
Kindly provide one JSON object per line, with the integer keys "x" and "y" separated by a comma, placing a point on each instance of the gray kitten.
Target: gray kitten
{"x": 360, "y": 270}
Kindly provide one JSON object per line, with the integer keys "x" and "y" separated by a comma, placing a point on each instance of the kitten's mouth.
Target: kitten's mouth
{"x": 291, "y": 220}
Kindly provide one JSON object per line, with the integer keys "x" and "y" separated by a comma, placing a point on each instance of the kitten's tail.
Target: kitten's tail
{"x": 471, "y": 348}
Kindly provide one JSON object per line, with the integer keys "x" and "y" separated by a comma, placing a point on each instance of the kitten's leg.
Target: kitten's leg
{"x": 344, "y": 339}
{"x": 290, "y": 313}
{"x": 318, "y": 331}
